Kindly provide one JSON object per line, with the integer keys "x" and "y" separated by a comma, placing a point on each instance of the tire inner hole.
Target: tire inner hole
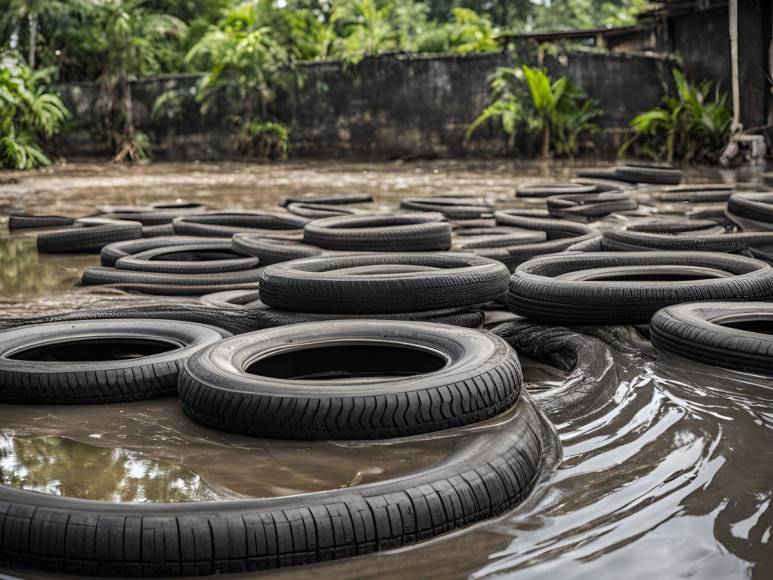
{"x": 95, "y": 349}
{"x": 327, "y": 363}
{"x": 760, "y": 326}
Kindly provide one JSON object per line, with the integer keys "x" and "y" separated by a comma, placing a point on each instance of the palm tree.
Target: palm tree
{"x": 130, "y": 40}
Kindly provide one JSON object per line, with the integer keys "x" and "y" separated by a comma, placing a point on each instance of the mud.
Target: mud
{"x": 662, "y": 467}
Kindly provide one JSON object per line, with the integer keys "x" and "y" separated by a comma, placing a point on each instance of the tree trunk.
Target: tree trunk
{"x": 129, "y": 110}
{"x": 545, "y": 140}
{"x": 33, "y": 21}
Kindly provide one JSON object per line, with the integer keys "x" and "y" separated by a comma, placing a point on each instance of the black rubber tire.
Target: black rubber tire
{"x": 537, "y": 291}
{"x": 336, "y": 199}
{"x": 605, "y": 185}
{"x": 249, "y": 300}
{"x": 90, "y": 238}
{"x": 158, "y": 231}
{"x": 422, "y": 232}
{"x": 112, "y": 252}
{"x": 627, "y": 241}
{"x": 149, "y": 215}
{"x": 21, "y": 222}
{"x": 699, "y": 332}
{"x": 96, "y": 275}
{"x": 676, "y": 227}
{"x": 648, "y": 174}
{"x": 752, "y": 206}
{"x": 272, "y": 251}
{"x": 561, "y": 235}
{"x": 541, "y": 190}
{"x": 205, "y": 258}
{"x": 589, "y": 207}
{"x": 495, "y": 237}
{"x": 226, "y": 224}
{"x": 40, "y": 381}
{"x": 489, "y": 472}
{"x": 598, "y": 173}
{"x": 708, "y": 193}
{"x": 459, "y": 208}
{"x": 317, "y": 210}
{"x": 222, "y": 387}
{"x": 321, "y": 284}
{"x": 236, "y": 321}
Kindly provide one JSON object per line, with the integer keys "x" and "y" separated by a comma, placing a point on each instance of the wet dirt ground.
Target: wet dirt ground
{"x": 670, "y": 476}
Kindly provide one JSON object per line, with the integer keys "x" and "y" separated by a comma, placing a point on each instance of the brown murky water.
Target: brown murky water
{"x": 669, "y": 475}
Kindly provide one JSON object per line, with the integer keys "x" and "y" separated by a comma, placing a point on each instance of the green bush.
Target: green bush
{"x": 268, "y": 140}
{"x": 694, "y": 125}
{"x": 557, "y": 110}
{"x": 29, "y": 114}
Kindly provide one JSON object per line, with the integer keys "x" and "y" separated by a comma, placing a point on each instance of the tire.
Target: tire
{"x": 348, "y": 284}
{"x": 752, "y": 206}
{"x": 226, "y": 224}
{"x": 154, "y": 214}
{"x": 489, "y": 472}
{"x": 589, "y": 207}
{"x": 495, "y": 237}
{"x": 648, "y": 174}
{"x": 598, "y": 173}
{"x": 724, "y": 334}
{"x": 459, "y": 208}
{"x": 91, "y": 238}
{"x": 561, "y": 235}
{"x": 42, "y": 378}
{"x": 424, "y": 232}
{"x": 20, "y": 222}
{"x": 317, "y": 211}
{"x": 249, "y": 300}
{"x": 285, "y": 394}
{"x": 236, "y": 321}
{"x": 605, "y": 185}
{"x": 112, "y": 252}
{"x": 538, "y": 292}
{"x": 627, "y": 241}
{"x": 341, "y": 199}
{"x": 707, "y": 193}
{"x": 158, "y": 231}
{"x": 172, "y": 283}
{"x": 541, "y": 190}
{"x": 206, "y": 258}
{"x": 272, "y": 251}
{"x": 676, "y": 227}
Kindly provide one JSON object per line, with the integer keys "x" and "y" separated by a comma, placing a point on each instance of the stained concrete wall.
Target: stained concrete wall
{"x": 386, "y": 106}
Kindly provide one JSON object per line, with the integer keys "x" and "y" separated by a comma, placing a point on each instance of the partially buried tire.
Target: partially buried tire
{"x": 489, "y": 472}
{"x": 97, "y": 361}
{"x": 90, "y": 236}
{"x": 351, "y": 380}
{"x": 204, "y": 258}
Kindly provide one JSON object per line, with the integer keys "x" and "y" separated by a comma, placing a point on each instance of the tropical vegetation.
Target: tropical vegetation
{"x": 557, "y": 111}
{"x": 693, "y": 124}
{"x": 29, "y": 113}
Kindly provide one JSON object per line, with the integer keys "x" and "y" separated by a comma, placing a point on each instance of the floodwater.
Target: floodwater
{"x": 658, "y": 467}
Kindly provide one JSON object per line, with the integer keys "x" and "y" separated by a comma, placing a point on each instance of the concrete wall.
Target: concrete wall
{"x": 386, "y": 106}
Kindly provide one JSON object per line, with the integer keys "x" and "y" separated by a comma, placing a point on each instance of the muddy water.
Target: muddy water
{"x": 666, "y": 469}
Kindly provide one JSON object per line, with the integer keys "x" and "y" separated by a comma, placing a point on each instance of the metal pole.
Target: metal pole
{"x": 737, "y": 127}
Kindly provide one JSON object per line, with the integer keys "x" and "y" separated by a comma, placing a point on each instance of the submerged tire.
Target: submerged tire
{"x": 459, "y": 208}
{"x": 334, "y": 199}
{"x": 272, "y": 251}
{"x": 112, "y": 252}
{"x": 589, "y": 207}
{"x": 382, "y": 283}
{"x": 489, "y": 472}
{"x": 726, "y": 334}
{"x": 549, "y": 189}
{"x": 623, "y": 288}
{"x": 421, "y": 232}
{"x": 171, "y": 284}
{"x": 226, "y": 224}
{"x": 649, "y": 174}
{"x": 88, "y": 362}
{"x": 90, "y": 238}
{"x": 560, "y": 236}
{"x": 203, "y": 258}
{"x": 20, "y": 222}
{"x": 403, "y": 378}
